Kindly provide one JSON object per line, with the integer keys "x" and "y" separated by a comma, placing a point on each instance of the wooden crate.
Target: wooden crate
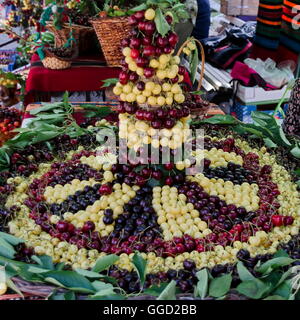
{"x": 240, "y": 7}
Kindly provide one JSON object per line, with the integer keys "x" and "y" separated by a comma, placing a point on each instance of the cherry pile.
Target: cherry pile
{"x": 10, "y": 119}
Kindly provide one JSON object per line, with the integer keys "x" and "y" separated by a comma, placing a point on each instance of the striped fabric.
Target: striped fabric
{"x": 278, "y": 30}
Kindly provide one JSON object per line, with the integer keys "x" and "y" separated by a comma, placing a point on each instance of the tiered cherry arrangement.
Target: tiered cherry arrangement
{"x": 76, "y": 206}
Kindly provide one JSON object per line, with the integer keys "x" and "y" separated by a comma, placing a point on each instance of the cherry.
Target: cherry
{"x": 175, "y": 80}
{"x": 147, "y": 41}
{"x": 134, "y": 53}
{"x": 150, "y": 28}
{"x": 167, "y": 50}
{"x": 173, "y": 39}
{"x": 142, "y": 25}
{"x": 140, "y": 115}
{"x": 135, "y": 43}
{"x": 88, "y": 226}
{"x": 169, "y": 181}
{"x": 139, "y": 180}
{"x": 162, "y": 41}
{"x": 158, "y": 51}
{"x": 123, "y": 77}
{"x": 146, "y": 172}
{"x": 125, "y": 42}
{"x": 173, "y": 113}
{"x": 156, "y": 124}
{"x": 142, "y": 62}
{"x": 148, "y": 115}
{"x": 105, "y": 189}
{"x": 288, "y": 220}
{"x": 157, "y": 174}
{"x": 149, "y": 51}
{"x": 62, "y": 226}
{"x": 180, "y": 248}
{"x": 169, "y": 166}
{"x": 130, "y": 108}
{"x": 169, "y": 123}
{"x": 140, "y": 86}
{"x": 149, "y": 72}
{"x": 139, "y": 15}
{"x": 181, "y": 70}
{"x": 161, "y": 113}
{"x": 133, "y": 77}
{"x": 277, "y": 220}
{"x": 132, "y": 20}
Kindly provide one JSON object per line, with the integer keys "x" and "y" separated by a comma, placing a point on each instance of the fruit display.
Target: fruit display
{"x": 10, "y": 119}
{"x": 89, "y": 208}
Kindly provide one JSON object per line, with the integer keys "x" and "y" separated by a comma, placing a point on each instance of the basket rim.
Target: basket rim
{"x": 107, "y": 19}
{"x": 66, "y": 25}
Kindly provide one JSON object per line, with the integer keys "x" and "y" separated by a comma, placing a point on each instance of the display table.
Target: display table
{"x": 86, "y": 75}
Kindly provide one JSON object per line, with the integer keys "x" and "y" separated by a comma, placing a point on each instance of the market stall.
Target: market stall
{"x": 173, "y": 186}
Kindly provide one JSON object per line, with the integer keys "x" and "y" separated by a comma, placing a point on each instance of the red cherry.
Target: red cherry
{"x": 277, "y": 220}
{"x": 150, "y": 28}
{"x": 169, "y": 181}
{"x": 135, "y": 43}
{"x": 62, "y": 226}
{"x": 130, "y": 108}
{"x": 158, "y": 51}
{"x": 123, "y": 77}
{"x": 180, "y": 248}
{"x": 139, "y": 15}
{"x": 140, "y": 86}
{"x": 148, "y": 115}
{"x": 161, "y": 113}
{"x": 142, "y": 25}
{"x": 173, "y": 113}
{"x": 133, "y": 77}
{"x": 120, "y": 108}
{"x": 147, "y": 41}
{"x": 156, "y": 124}
{"x": 169, "y": 166}
{"x": 173, "y": 39}
{"x": 88, "y": 226}
{"x": 142, "y": 62}
{"x": 140, "y": 181}
{"x": 134, "y": 53}
{"x": 149, "y": 72}
{"x": 132, "y": 20}
{"x": 140, "y": 114}
{"x": 149, "y": 51}
{"x": 169, "y": 123}
{"x": 157, "y": 174}
{"x": 168, "y": 49}
{"x": 169, "y": 19}
{"x": 146, "y": 172}
{"x": 105, "y": 189}
{"x": 175, "y": 80}
{"x": 125, "y": 42}
{"x": 288, "y": 220}
{"x": 200, "y": 248}
{"x": 162, "y": 41}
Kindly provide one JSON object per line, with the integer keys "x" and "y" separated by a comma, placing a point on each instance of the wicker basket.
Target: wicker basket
{"x": 85, "y": 37}
{"x": 55, "y": 63}
{"x": 110, "y": 31}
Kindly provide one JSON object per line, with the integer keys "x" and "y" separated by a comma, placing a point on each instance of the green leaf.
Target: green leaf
{"x": 169, "y": 292}
{"x": 220, "y": 286}
{"x": 141, "y": 7}
{"x": 13, "y": 287}
{"x": 161, "y": 23}
{"x": 11, "y": 239}
{"x": 202, "y": 284}
{"x": 70, "y": 280}
{"x": 140, "y": 265}
{"x": 194, "y": 65}
{"x": 44, "y": 261}
{"x": 156, "y": 290}
{"x": 221, "y": 119}
{"x": 109, "y": 82}
{"x": 275, "y": 297}
{"x": 283, "y": 290}
{"x": 88, "y": 274}
{"x": 62, "y": 296}
{"x": 243, "y": 272}
{"x": 296, "y": 152}
{"x": 274, "y": 264}
{"x": 154, "y": 183}
{"x": 281, "y": 253}
{"x": 297, "y": 172}
{"x": 269, "y": 143}
{"x": 108, "y": 297}
{"x": 254, "y": 289}
{"x": 47, "y": 107}
{"x": 105, "y": 262}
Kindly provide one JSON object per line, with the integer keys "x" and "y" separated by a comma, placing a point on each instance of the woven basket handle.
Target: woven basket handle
{"x": 202, "y": 58}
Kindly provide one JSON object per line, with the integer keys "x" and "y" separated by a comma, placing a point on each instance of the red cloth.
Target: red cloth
{"x": 76, "y": 78}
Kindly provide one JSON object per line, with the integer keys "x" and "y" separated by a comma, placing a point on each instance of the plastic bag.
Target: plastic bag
{"x": 278, "y": 76}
